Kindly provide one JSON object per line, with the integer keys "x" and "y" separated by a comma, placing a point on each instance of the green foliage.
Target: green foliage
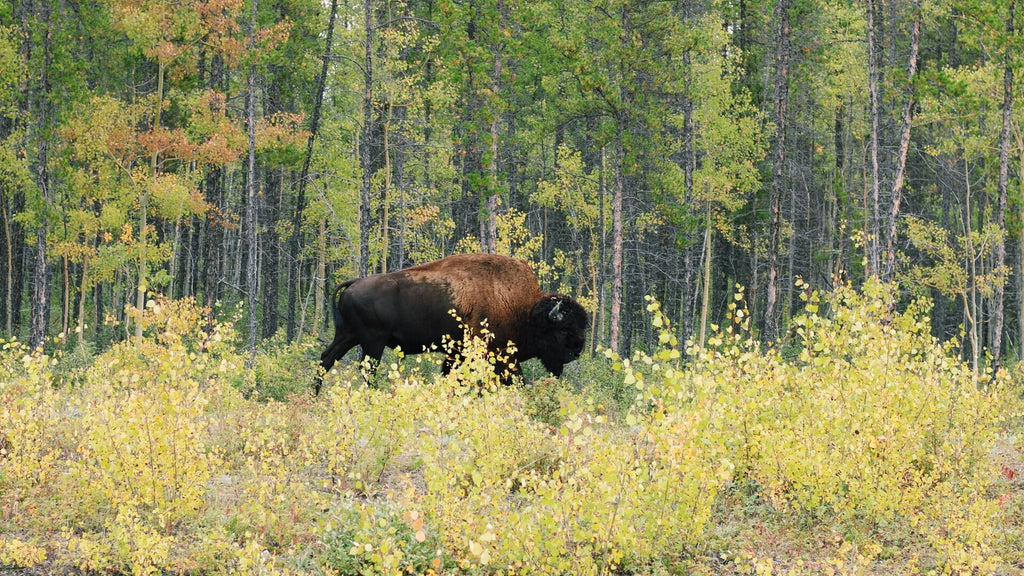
{"x": 283, "y": 369}
{"x": 572, "y": 191}
{"x": 372, "y": 541}
{"x": 946, "y": 272}
{"x": 11, "y": 70}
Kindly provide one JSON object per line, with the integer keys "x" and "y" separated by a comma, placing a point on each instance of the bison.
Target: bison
{"x": 412, "y": 309}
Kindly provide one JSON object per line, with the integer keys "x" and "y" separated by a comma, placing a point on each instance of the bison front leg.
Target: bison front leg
{"x": 506, "y": 366}
{"x": 372, "y": 354}
{"x": 447, "y": 365}
{"x": 509, "y": 372}
{"x": 552, "y": 366}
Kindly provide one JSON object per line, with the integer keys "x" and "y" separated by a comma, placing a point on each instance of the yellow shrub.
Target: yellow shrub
{"x": 872, "y": 423}
{"x": 32, "y": 443}
{"x": 14, "y": 552}
{"x": 361, "y": 433}
{"x": 863, "y": 429}
{"x": 145, "y": 448}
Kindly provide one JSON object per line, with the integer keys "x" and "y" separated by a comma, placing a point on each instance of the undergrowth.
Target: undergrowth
{"x": 868, "y": 448}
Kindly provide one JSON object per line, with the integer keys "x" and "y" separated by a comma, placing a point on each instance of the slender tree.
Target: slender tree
{"x": 873, "y": 217}
{"x": 251, "y": 207}
{"x": 366, "y": 139}
{"x": 15, "y": 175}
{"x": 1003, "y": 184}
{"x": 42, "y": 128}
{"x": 294, "y": 242}
{"x": 780, "y": 72}
{"x": 888, "y": 273}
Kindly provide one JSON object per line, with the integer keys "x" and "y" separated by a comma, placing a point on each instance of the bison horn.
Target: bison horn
{"x": 556, "y": 313}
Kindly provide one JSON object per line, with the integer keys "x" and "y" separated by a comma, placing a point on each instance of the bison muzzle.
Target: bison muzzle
{"x": 412, "y": 309}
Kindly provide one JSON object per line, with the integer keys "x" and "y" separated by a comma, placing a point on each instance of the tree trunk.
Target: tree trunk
{"x": 687, "y": 291}
{"x": 80, "y": 328}
{"x": 705, "y": 306}
{"x": 65, "y": 319}
{"x": 901, "y": 158}
{"x": 874, "y": 227}
{"x": 490, "y": 239}
{"x": 365, "y": 159}
{"x": 1020, "y": 243}
{"x": 1004, "y": 177}
{"x": 971, "y": 317}
{"x": 215, "y": 238}
{"x": 781, "y": 76}
{"x": 154, "y": 165}
{"x": 252, "y": 263}
{"x": 41, "y": 281}
{"x": 40, "y": 313}
{"x": 837, "y": 241}
{"x": 272, "y": 199}
{"x": 618, "y": 192}
{"x": 602, "y": 251}
{"x": 8, "y": 295}
{"x": 320, "y": 279}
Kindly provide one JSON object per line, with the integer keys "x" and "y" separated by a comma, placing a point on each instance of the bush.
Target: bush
{"x": 870, "y": 449}
{"x": 33, "y": 446}
{"x": 283, "y": 369}
{"x": 874, "y": 424}
{"x": 383, "y": 541}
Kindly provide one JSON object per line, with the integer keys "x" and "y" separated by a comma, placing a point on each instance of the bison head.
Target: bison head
{"x": 558, "y": 331}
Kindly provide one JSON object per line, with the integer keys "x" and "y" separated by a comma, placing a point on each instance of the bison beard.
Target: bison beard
{"x": 412, "y": 308}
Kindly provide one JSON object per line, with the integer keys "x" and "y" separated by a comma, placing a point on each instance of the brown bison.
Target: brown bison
{"x": 412, "y": 308}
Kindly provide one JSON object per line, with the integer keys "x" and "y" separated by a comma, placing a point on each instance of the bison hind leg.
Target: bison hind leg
{"x": 338, "y": 348}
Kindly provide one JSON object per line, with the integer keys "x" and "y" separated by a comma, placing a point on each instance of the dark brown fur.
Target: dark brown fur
{"x": 410, "y": 309}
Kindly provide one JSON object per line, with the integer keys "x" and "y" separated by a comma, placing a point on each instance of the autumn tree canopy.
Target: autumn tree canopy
{"x": 258, "y": 153}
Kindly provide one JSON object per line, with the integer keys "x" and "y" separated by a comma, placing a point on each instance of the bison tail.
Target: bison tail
{"x": 338, "y": 346}
{"x": 336, "y": 302}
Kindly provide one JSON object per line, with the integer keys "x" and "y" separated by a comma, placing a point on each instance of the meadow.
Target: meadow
{"x": 863, "y": 446}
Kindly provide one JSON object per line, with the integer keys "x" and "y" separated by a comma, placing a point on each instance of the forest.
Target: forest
{"x": 255, "y": 154}
{"x": 797, "y": 226}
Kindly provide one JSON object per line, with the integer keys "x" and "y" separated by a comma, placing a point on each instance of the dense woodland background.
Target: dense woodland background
{"x": 257, "y": 152}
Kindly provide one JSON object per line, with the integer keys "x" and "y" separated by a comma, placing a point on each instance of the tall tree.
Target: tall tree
{"x": 15, "y": 176}
{"x": 251, "y": 209}
{"x": 366, "y": 161}
{"x": 39, "y": 23}
{"x": 888, "y": 273}
{"x": 1003, "y": 182}
{"x": 478, "y": 44}
{"x": 874, "y": 228}
{"x": 727, "y": 131}
{"x": 780, "y": 72}
{"x": 294, "y": 241}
